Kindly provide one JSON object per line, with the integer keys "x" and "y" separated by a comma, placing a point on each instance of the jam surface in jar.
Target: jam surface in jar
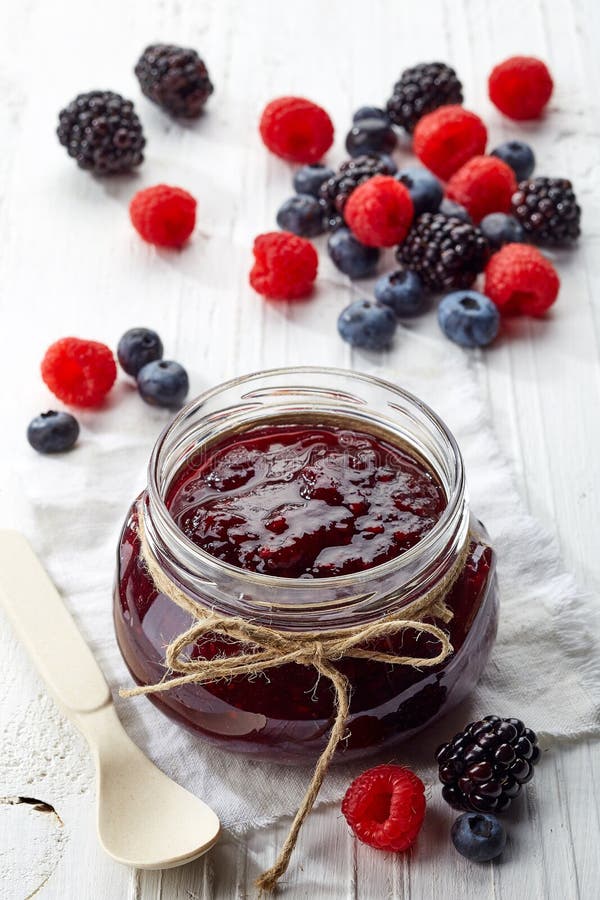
{"x": 304, "y": 501}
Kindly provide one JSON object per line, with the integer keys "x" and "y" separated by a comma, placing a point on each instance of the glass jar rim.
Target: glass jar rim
{"x": 169, "y": 530}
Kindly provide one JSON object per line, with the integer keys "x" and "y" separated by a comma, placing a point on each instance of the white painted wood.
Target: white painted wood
{"x": 71, "y": 264}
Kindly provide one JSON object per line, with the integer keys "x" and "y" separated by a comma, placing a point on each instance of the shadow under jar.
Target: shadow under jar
{"x": 307, "y": 499}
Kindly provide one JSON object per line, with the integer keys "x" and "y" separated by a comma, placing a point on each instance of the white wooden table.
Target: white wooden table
{"x": 70, "y": 264}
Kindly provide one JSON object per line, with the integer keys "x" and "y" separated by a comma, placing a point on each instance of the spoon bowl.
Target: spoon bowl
{"x": 144, "y": 818}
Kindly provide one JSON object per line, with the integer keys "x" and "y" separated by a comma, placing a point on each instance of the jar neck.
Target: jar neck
{"x": 312, "y": 395}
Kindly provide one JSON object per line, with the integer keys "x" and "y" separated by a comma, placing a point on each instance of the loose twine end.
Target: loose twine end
{"x": 275, "y": 648}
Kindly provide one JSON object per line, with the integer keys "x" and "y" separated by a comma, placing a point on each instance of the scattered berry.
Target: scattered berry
{"x": 367, "y": 325}
{"x": 137, "y": 347}
{"x": 285, "y": 266}
{"x": 78, "y": 372}
{"x": 301, "y": 214}
{"x": 499, "y": 229}
{"x": 162, "y": 215}
{"x": 518, "y": 155}
{"x": 296, "y": 129}
{"x": 53, "y": 432}
{"x": 469, "y": 318}
{"x": 175, "y": 78}
{"x": 370, "y": 112}
{"x": 385, "y": 807}
{"x": 447, "y": 138}
{"x": 450, "y": 208}
{"x": 308, "y": 179}
{"x": 102, "y": 132}
{"x": 444, "y": 251}
{"x": 547, "y": 209}
{"x": 420, "y": 90}
{"x": 380, "y": 212}
{"x": 350, "y": 256}
{"x": 425, "y": 190}
{"x": 478, "y": 836}
{"x": 352, "y": 173}
{"x": 520, "y": 280}
{"x": 370, "y": 136}
{"x": 520, "y": 87}
{"x": 403, "y": 292}
{"x": 483, "y": 767}
{"x": 483, "y": 185}
{"x": 163, "y": 383}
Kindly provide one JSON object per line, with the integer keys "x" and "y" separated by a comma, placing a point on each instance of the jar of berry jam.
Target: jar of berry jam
{"x": 307, "y": 499}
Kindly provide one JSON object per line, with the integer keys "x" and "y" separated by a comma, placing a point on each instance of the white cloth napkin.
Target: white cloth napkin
{"x": 545, "y": 667}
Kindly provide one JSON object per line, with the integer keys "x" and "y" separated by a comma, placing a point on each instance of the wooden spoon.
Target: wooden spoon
{"x": 144, "y": 819}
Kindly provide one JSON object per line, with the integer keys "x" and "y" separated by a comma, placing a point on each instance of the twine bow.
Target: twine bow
{"x": 319, "y": 649}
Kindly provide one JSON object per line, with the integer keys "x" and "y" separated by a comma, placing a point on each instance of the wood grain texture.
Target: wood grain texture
{"x": 71, "y": 264}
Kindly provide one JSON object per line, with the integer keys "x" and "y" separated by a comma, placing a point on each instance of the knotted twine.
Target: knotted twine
{"x": 319, "y": 649}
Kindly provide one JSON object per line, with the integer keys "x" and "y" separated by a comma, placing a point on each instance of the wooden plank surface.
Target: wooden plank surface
{"x": 70, "y": 264}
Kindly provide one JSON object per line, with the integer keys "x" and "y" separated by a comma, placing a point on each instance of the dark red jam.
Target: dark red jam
{"x": 308, "y": 502}
{"x": 305, "y": 502}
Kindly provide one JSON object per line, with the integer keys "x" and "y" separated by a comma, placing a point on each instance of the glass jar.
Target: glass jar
{"x": 285, "y": 714}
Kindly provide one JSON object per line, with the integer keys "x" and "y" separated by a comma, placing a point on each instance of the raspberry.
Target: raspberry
{"x": 520, "y": 87}
{"x": 285, "y": 266}
{"x": 446, "y": 138}
{"x": 162, "y": 215}
{"x": 380, "y": 211}
{"x": 334, "y": 192}
{"x": 78, "y": 372}
{"x": 520, "y": 280}
{"x": 483, "y": 185}
{"x": 385, "y": 807}
{"x": 296, "y": 129}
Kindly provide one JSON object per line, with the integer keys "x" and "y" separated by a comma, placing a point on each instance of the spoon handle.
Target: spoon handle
{"x": 45, "y": 627}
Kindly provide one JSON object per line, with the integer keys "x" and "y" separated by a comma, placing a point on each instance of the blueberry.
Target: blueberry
{"x": 450, "y": 208}
{"x": 424, "y": 188}
{"x": 370, "y": 112}
{"x": 478, "y": 836}
{"x": 163, "y": 383}
{"x": 366, "y": 324}
{"x": 53, "y": 432}
{"x": 350, "y": 256}
{"x": 301, "y": 214}
{"x": 402, "y": 291}
{"x": 137, "y": 347}
{"x": 309, "y": 179}
{"x": 518, "y": 155}
{"x": 469, "y": 318}
{"x": 370, "y": 136}
{"x": 500, "y": 229}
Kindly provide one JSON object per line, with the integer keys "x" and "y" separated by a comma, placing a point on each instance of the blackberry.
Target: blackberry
{"x": 483, "y": 767}
{"x": 175, "y": 78}
{"x": 102, "y": 132}
{"x": 444, "y": 251}
{"x": 547, "y": 209}
{"x": 420, "y": 90}
{"x": 335, "y": 191}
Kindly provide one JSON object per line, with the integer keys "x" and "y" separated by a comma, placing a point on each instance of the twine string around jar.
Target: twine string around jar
{"x": 274, "y": 648}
